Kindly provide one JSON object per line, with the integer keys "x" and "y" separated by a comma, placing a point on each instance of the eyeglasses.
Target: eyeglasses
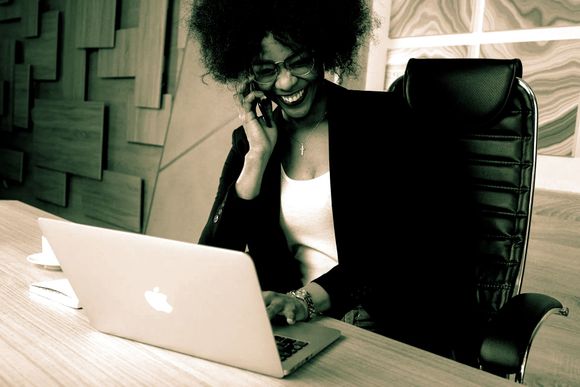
{"x": 299, "y": 65}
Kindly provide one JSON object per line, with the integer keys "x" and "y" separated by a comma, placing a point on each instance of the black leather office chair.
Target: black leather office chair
{"x": 494, "y": 112}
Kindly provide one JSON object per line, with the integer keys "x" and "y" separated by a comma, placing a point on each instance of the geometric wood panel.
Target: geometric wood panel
{"x": 7, "y": 62}
{"x": 3, "y": 96}
{"x": 553, "y": 71}
{"x": 12, "y": 164}
{"x": 10, "y": 11}
{"x": 68, "y": 136}
{"x": 430, "y": 17}
{"x": 30, "y": 16}
{"x": 148, "y": 126}
{"x": 119, "y": 62}
{"x": 95, "y": 27}
{"x": 117, "y": 199}
{"x": 22, "y": 94}
{"x": 50, "y": 186}
{"x": 503, "y": 15}
{"x": 150, "y": 52}
{"x": 42, "y": 52}
{"x": 74, "y": 60}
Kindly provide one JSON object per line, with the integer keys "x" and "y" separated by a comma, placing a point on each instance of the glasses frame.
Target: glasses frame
{"x": 284, "y": 63}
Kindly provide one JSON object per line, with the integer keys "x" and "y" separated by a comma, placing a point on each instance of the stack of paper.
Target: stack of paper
{"x": 57, "y": 290}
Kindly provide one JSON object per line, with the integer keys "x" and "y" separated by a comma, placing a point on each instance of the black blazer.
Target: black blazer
{"x": 392, "y": 187}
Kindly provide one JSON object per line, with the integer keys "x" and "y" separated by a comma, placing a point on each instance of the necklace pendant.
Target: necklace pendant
{"x": 301, "y": 149}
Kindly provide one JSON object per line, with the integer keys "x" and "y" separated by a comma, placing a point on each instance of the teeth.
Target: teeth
{"x": 292, "y": 98}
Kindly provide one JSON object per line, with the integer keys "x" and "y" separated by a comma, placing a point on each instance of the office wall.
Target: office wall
{"x": 86, "y": 88}
{"x": 545, "y": 35}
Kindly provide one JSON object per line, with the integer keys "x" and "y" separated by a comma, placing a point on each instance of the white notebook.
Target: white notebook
{"x": 58, "y": 290}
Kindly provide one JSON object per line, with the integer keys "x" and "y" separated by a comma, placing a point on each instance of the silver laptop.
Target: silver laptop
{"x": 189, "y": 298}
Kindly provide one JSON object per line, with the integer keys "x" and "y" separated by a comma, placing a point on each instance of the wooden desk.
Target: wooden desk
{"x": 43, "y": 343}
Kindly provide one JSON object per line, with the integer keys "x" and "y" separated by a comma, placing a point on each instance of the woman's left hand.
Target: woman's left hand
{"x": 284, "y": 305}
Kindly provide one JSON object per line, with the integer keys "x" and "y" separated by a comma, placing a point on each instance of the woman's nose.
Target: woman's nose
{"x": 285, "y": 80}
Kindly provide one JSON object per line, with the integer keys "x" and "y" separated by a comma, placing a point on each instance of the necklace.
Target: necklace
{"x": 301, "y": 143}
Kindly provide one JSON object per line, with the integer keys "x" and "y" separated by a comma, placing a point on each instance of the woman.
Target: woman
{"x": 302, "y": 187}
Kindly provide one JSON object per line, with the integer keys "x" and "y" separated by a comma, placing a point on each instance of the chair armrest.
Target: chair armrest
{"x": 511, "y": 332}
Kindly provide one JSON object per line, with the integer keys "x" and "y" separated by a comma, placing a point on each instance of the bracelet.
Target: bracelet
{"x": 303, "y": 295}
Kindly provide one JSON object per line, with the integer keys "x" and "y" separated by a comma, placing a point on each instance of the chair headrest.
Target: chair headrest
{"x": 460, "y": 91}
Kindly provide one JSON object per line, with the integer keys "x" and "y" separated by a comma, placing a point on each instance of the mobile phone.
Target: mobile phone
{"x": 265, "y": 107}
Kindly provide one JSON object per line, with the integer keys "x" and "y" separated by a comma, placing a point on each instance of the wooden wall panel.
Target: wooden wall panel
{"x": 95, "y": 27}
{"x": 119, "y": 62}
{"x": 42, "y": 52}
{"x": 10, "y": 11}
{"x": 74, "y": 60}
{"x": 22, "y": 94}
{"x": 512, "y": 15}
{"x": 148, "y": 126}
{"x": 68, "y": 136}
{"x": 8, "y": 55}
{"x": 430, "y": 17}
{"x": 51, "y": 186}
{"x": 12, "y": 164}
{"x": 117, "y": 199}
{"x": 30, "y": 17}
{"x": 3, "y": 97}
{"x": 150, "y": 52}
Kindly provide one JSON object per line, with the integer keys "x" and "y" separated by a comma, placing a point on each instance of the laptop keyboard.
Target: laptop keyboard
{"x": 288, "y": 347}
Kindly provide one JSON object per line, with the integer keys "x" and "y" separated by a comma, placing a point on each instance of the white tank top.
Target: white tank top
{"x": 306, "y": 219}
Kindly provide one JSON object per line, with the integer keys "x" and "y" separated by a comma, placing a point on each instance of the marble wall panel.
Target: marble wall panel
{"x": 552, "y": 68}
{"x": 512, "y": 15}
{"x": 397, "y": 58}
{"x": 430, "y": 17}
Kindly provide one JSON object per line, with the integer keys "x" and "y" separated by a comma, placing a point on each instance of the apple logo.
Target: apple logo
{"x": 158, "y": 300}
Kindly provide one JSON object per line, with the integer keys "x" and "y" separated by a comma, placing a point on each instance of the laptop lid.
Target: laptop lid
{"x": 199, "y": 300}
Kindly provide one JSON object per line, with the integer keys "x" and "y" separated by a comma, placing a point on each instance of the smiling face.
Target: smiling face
{"x": 296, "y": 95}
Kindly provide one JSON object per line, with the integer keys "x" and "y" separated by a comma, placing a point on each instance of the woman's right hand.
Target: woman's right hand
{"x": 261, "y": 137}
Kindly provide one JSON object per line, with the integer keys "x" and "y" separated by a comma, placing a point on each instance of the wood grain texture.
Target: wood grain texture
{"x": 68, "y": 136}
{"x": 123, "y": 156}
{"x": 117, "y": 199}
{"x": 46, "y": 343}
{"x": 51, "y": 186}
{"x": 8, "y": 55}
{"x": 150, "y": 51}
{"x": 22, "y": 95}
{"x": 552, "y": 68}
{"x": 552, "y": 268}
{"x": 95, "y": 26}
{"x": 30, "y": 18}
{"x": 397, "y": 58}
{"x": 12, "y": 164}
{"x": 3, "y": 97}
{"x": 119, "y": 62}
{"x": 42, "y": 52}
{"x": 430, "y": 17}
{"x": 512, "y": 15}
{"x": 10, "y": 11}
{"x": 74, "y": 60}
{"x": 149, "y": 126}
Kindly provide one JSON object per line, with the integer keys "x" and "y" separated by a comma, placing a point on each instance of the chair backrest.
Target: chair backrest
{"x": 494, "y": 112}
